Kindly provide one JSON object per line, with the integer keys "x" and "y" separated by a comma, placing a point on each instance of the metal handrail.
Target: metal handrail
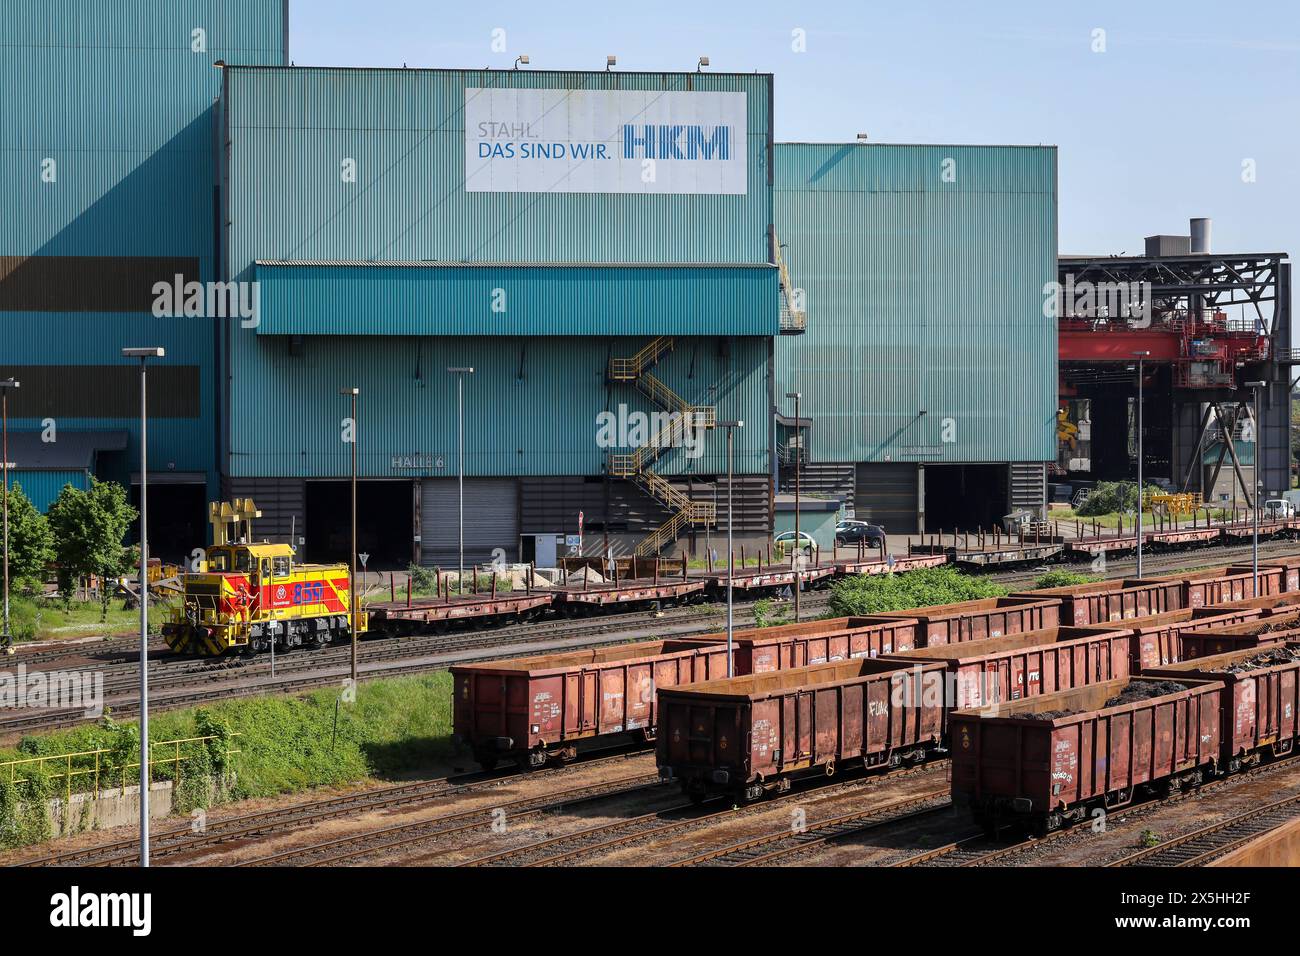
{"x": 68, "y": 773}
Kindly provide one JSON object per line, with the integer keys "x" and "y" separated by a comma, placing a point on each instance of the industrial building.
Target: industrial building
{"x": 627, "y": 262}
{"x": 1212, "y": 330}
{"x": 108, "y": 159}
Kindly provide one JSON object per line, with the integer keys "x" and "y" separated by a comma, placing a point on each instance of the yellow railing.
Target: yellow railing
{"x": 792, "y": 319}
{"x": 9, "y": 769}
{"x": 630, "y": 369}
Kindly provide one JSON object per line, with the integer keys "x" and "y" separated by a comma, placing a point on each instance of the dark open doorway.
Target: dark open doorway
{"x": 964, "y": 497}
{"x": 385, "y": 525}
{"x": 178, "y": 519}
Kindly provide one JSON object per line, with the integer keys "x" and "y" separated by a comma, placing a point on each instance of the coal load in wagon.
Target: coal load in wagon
{"x": 1265, "y": 658}
{"x": 1140, "y": 690}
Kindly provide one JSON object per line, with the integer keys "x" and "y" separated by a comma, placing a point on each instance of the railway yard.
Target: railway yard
{"x": 594, "y": 794}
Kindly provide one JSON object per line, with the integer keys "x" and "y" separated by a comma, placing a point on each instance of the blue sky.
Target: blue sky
{"x": 1151, "y": 131}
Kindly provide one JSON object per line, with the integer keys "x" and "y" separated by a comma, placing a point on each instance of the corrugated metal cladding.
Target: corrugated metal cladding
{"x": 290, "y": 130}
{"x": 107, "y": 156}
{"x": 491, "y": 520}
{"x": 923, "y": 269}
{"x": 503, "y": 299}
{"x": 531, "y": 405}
{"x": 43, "y": 487}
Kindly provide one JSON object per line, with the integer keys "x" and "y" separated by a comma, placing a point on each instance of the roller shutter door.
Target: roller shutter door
{"x": 491, "y": 520}
{"x": 886, "y": 495}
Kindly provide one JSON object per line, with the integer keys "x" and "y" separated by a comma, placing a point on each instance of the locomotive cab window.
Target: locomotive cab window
{"x": 266, "y": 568}
{"x": 219, "y": 561}
{"x": 244, "y": 562}
{"x": 280, "y": 567}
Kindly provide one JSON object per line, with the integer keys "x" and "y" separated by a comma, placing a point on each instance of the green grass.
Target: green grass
{"x": 287, "y": 744}
{"x": 47, "y": 620}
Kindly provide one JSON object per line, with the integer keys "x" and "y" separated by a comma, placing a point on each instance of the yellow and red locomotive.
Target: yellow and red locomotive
{"x": 247, "y": 595}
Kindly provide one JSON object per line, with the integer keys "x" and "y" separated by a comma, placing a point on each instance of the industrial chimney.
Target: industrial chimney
{"x": 1200, "y": 244}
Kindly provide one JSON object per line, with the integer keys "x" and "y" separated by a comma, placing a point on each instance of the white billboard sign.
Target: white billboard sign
{"x": 604, "y": 141}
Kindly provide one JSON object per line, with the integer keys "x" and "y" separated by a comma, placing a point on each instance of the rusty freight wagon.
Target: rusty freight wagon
{"x": 1157, "y": 639}
{"x": 535, "y": 709}
{"x": 751, "y": 735}
{"x": 983, "y": 618}
{"x": 1047, "y": 761}
{"x": 1226, "y": 584}
{"x": 1026, "y": 665}
{"x": 1260, "y": 700}
{"x": 1103, "y": 602}
{"x": 762, "y": 649}
{"x": 1235, "y": 637}
{"x": 541, "y": 708}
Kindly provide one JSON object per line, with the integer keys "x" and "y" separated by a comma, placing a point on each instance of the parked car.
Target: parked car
{"x": 851, "y": 532}
{"x": 1277, "y": 509}
{"x": 784, "y": 542}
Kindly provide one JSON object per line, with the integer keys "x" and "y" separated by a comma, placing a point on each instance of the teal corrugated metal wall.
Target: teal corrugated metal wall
{"x": 923, "y": 269}
{"x": 290, "y": 130}
{"x": 530, "y": 407}
{"x": 516, "y": 300}
{"x": 117, "y": 96}
{"x": 43, "y": 487}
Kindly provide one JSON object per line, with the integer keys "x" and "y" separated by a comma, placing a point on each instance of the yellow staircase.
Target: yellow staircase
{"x": 637, "y": 465}
{"x": 794, "y": 320}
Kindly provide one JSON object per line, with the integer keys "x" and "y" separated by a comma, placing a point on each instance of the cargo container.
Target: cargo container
{"x": 535, "y": 709}
{"x": 987, "y": 617}
{"x": 1046, "y": 761}
{"x": 542, "y": 708}
{"x": 1235, "y": 637}
{"x": 1156, "y": 639}
{"x": 1260, "y": 700}
{"x": 1026, "y": 665}
{"x": 1101, "y": 602}
{"x": 759, "y": 650}
{"x": 751, "y": 735}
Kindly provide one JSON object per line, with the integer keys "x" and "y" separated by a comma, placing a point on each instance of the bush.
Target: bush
{"x": 874, "y": 594}
{"x": 1111, "y": 497}
{"x": 1064, "y": 579}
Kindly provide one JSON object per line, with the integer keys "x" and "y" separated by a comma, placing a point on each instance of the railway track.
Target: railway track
{"x": 179, "y": 840}
{"x": 1205, "y": 844}
{"x": 349, "y": 848}
{"x": 305, "y": 670}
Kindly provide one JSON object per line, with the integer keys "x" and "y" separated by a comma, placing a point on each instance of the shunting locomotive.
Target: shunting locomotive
{"x": 244, "y": 595}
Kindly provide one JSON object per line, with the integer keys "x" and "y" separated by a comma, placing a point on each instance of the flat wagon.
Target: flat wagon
{"x": 1046, "y": 761}
{"x": 1026, "y": 665}
{"x": 980, "y": 619}
{"x": 1260, "y": 701}
{"x": 751, "y": 735}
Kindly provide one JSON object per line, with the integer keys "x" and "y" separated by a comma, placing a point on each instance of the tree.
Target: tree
{"x": 31, "y": 543}
{"x": 88, "y": 530}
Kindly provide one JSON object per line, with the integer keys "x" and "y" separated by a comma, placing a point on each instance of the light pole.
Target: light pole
{"x": 460, "y": 374}
{"x": 1140, "y": 357}
{"x": 798, "y": 542}
{"x": 1254, "y": 492}
{"x": 144, "y": 355}
{"x": 731, "y": 569}
{"x": 5, "y": 388}
{"x": 352, "y": 393}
